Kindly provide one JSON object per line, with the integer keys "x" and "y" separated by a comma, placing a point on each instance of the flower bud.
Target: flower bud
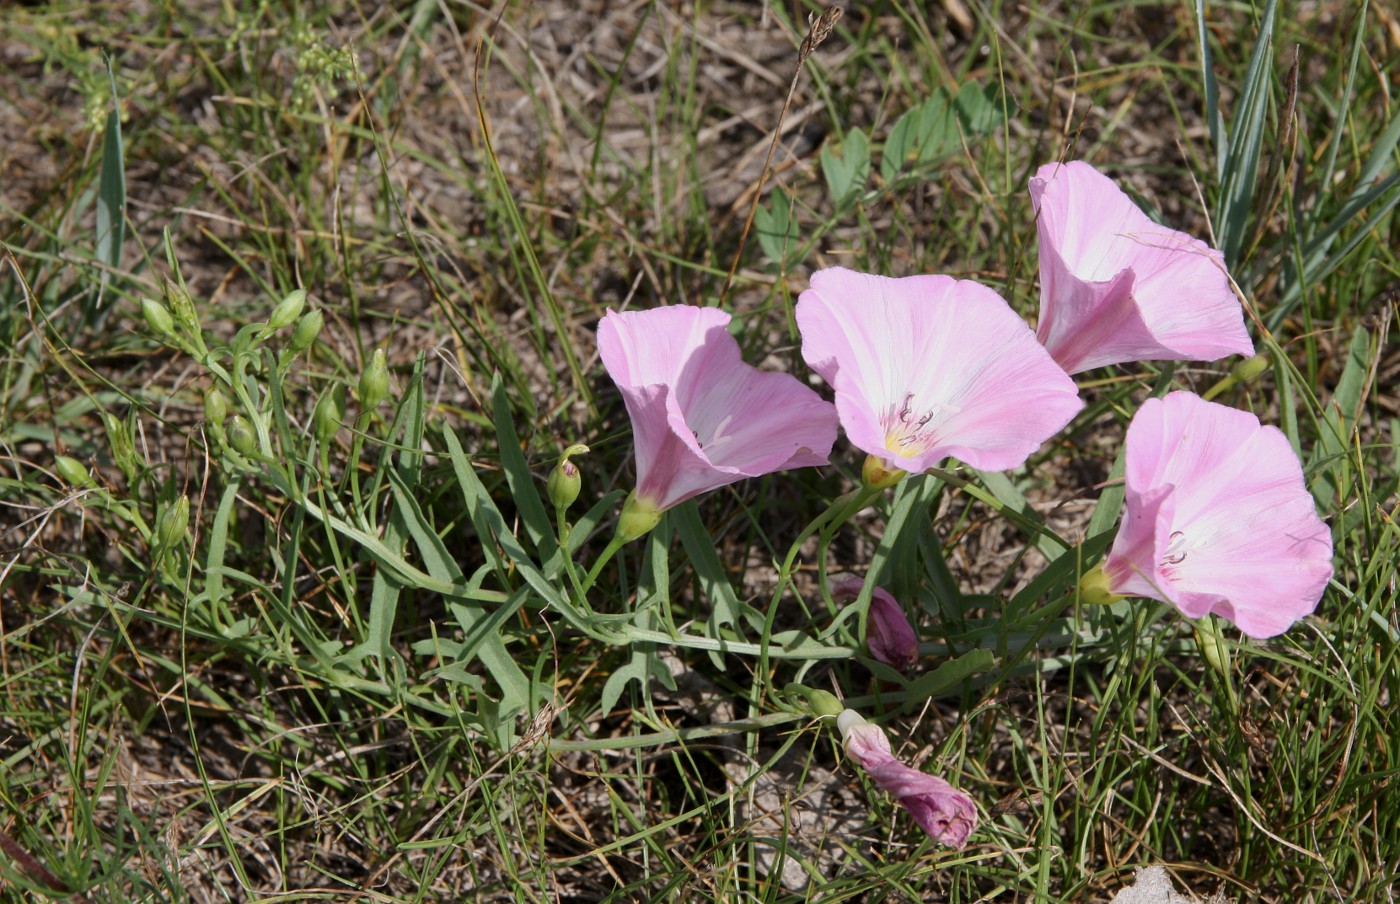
{"x": 374, "y": 381}
{"x": 1095, "y": 590}
{"x": 72, "y": 471}
{"x": 215, "y": 406}
{"x": 287, "y": 310}
{"x": 158, "y": 318}
{"x": 888, "y": 633}
{"x": 564, "y": 481}
{"x": 638, "y": 518}
{"x": 308, "y": 328}
{"x": 240, "y": 435}
{"x": 330, "y": 412}
{"x": 876, "y": 475}
{"x": 173, "y": 525}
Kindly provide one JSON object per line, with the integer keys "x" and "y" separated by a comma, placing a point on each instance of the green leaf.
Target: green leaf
{"x": 1246, "y": 143}
{"x": 111, "y": 194}
{"x": 523, "y": 489}
{"x": 921, "y": 136}
{"x": 979, "y": 109}
{"x": 846, "y": 165}
{"x": 947, "y": 676}
{"x": 777, "y": 229}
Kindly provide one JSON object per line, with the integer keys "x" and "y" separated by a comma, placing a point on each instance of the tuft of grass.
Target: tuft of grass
{"x": 368, "y": 667}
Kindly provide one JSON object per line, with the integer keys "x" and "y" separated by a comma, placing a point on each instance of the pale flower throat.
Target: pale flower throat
{"x": 907, "y": 431}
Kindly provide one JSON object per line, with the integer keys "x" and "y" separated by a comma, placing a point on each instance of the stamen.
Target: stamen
{"x": 1174, "y": 554}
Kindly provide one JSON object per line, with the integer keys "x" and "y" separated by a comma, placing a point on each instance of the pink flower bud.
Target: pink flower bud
{"x": 944, "y": 812}
{"x": 888, "y": 633}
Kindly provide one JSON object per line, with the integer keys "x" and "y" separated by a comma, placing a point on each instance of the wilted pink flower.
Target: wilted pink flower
{"x": 928, "y": 367}
{"x": 947, "y": 814}
{"x": 888, "y": 634}
{"x": 701, "y": 417}
{"x": 1115, "y": 286}
{"x": 1217, "y": 518}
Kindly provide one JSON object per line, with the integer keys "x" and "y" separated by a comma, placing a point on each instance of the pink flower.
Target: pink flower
{"x": 1217, "y": 518}
{"x": 701, "y": 417}
{"x": 928, "y": 367}
{"x": 1115, "y": 286}
{"x": 947, "y": 814}
{"x": 888, "y": 634}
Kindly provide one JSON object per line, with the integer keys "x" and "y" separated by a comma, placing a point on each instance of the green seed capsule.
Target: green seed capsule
{"x": 215, "y": 406}
{"x": 240, "y": 435}
{"x": 374, "y": 381}
{"x": 158, "y": 318}
{"x": 173, "y": 526}
{"x": 72, "y": 471}
{"x": 287, "y": 310}
{"x": 308, "y": 328}
{"x": 330, "y": 412}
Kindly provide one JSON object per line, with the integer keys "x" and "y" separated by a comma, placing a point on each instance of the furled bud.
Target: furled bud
{"x": 564, "y": 481}
{"x": 240, "y": 435}
{"x": 374, "y": 381}
{"x": 888, "y": 633}
{"x": 287, "y": 310}
{"x": 72, "y": 471}
{"x": 173, "y": 525}
{"x": 308, "y": 328}
{"x": 158, "y": 318}
{"x": 948, "y": 815}
{"x": 330, "y": 412}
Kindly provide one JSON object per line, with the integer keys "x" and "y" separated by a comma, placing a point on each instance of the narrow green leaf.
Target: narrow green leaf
{"x": 111, "y": 192}
{"x": 523, "y": 489}
{"x": 1214, "y": 120}
{"x": 1246, "y": 143}
{"x": 946, "y": 677}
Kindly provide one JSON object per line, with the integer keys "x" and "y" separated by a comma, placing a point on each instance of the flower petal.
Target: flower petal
{"x": 701, "y": 417}
{"x": 1116, "y": 287}
{"x": 1234, "y": 530}
{"x": 928, "y": 367}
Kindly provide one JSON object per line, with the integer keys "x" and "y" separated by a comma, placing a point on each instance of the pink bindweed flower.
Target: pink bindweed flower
{"x": 701, "y": 417}
{"x": 1217, "y": 518}
{"x": 947, "y": 814}
{"x": 1116, "y": 287}
{"x": 888, "y": 634}
{"x": 927, "y": 367}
